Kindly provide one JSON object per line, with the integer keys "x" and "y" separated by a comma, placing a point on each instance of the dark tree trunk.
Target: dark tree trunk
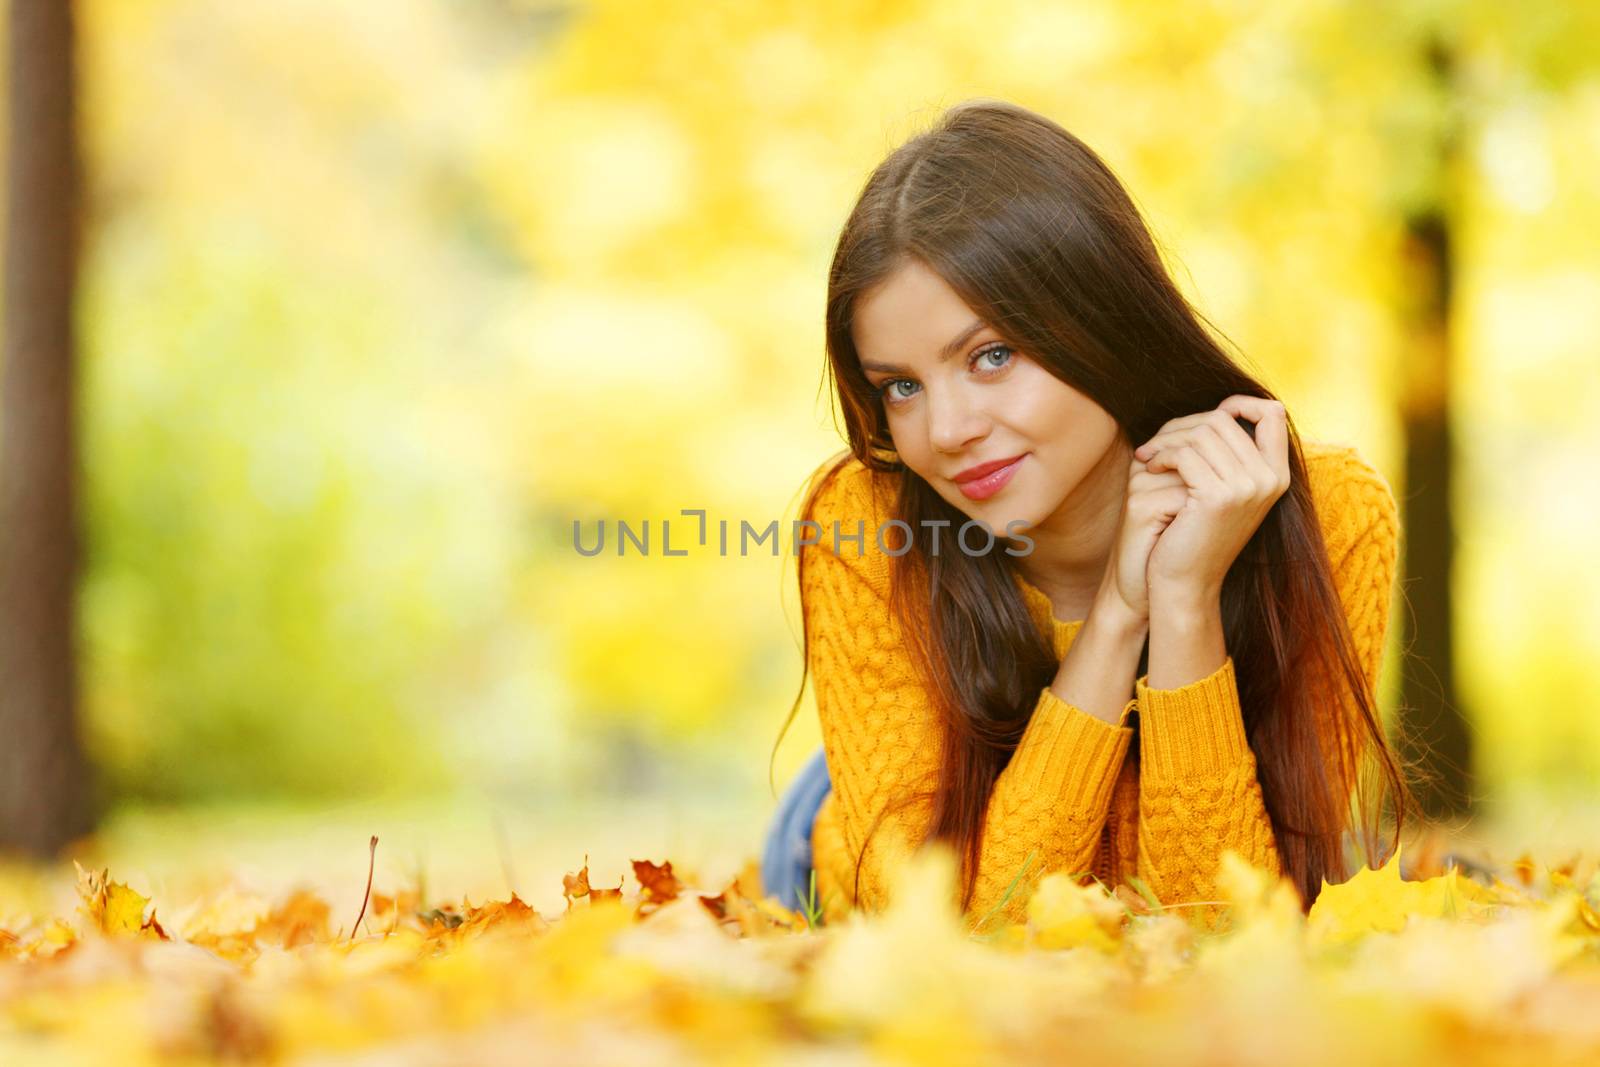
{"x": 44, "y": 800}
{"x": 1436, "y": 732}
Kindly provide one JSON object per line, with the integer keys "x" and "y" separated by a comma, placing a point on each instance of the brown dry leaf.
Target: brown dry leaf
{"x": 576, "y": 885}
{"x": 659, "y": 883}
{"x": 506, "y": 913}
{"x": 302, "y": 919}
{"x": 404, "y": 902}
{"x": 750, "y": 916}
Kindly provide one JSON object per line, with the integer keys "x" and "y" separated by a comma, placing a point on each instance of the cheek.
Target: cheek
{"x": 1069, "y": 434}
{"x": 1041, "y": 411}
{"x": 1054, "y": 415}
{"x": 911, "y": 444}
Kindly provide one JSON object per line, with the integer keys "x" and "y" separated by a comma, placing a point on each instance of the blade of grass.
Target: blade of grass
{"x": 992, "y": 912}
{"x": 1144, "y": 891}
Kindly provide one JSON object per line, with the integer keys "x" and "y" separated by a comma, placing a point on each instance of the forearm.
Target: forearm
{"x": 1199, "y": 794}
{"x": 1186, "y": 639}
{"x": 1098, "y": 671}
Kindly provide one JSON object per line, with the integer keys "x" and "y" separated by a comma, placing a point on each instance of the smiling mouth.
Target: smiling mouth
{"x": 991, "y": 483}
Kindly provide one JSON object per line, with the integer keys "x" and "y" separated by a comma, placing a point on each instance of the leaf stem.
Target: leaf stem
{"x": 372, "y": 859}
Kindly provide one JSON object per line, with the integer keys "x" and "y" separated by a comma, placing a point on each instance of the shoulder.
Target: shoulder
{"x": 845, "y": 497}
{"x": 840, "y": 484}
{"x": 1355, "y": 504}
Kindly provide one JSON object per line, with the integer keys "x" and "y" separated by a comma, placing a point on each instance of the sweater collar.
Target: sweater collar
{"x": 1042, "y": 610}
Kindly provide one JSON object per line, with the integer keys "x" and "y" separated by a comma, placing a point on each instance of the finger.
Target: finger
{"x": 1234, "y": 479}
{"x": 1247, "y": 451}
{"x": 1145, "y": 480}
{"x": 1205, "y": 439}
{"x": 1214, "y": 417}
{"x": 1272, "y": 429}
{"x": 1197, "y": 473}
{"x": 1164, "y": 439}
{"x": 1161, "y": 505}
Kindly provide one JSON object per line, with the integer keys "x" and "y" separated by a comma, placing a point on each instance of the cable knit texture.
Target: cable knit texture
{"x": 1079, "y": 794}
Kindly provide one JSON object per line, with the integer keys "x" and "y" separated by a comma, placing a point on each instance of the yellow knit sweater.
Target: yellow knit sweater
{"x": 1079, "y": 793}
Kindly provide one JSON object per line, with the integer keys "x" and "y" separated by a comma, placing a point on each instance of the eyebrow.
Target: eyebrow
{"x": 944, "y": 354}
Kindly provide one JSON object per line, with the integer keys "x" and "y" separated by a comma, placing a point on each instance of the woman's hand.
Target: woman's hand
{"x": 1148, "y": 506}
{"x": 1231, "y": 483}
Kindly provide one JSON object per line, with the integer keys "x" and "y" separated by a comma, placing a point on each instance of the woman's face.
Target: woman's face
{"x": 956, "y": 397}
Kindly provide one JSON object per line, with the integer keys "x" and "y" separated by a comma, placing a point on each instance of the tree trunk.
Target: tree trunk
{"x": 44, "y": 799}
{"x": 1434, "y": 729}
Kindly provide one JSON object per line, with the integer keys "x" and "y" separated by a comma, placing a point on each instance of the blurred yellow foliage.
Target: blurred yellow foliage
{"x": 1446, "y": 968}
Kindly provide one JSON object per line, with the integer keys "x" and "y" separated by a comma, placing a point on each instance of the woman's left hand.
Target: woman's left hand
{"x": 1233, "y": 482}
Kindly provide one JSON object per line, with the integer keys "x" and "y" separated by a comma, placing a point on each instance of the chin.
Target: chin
{"x": 1031, "y": 518}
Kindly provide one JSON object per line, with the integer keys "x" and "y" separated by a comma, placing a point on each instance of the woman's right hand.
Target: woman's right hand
{"x": 1152, "y": 501}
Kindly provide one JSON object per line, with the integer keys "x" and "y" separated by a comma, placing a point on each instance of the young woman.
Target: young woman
{"x": 1170, "y": 646}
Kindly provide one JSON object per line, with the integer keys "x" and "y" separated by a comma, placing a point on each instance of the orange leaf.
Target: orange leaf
{"x": 302, "y": 919}
{"x": 659, "y": 883}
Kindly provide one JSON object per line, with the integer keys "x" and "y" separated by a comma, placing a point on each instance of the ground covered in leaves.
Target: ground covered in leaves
{"x": 1465, "y": 966}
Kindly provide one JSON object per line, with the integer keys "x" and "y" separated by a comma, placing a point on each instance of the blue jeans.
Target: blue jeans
{"x": 786, "y": 857}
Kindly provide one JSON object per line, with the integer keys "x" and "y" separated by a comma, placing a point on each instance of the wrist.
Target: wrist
{"x": 1185, "y": 601}
{"x": 1112, "y": 614}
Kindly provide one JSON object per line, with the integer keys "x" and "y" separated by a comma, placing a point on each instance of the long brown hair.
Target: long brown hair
{"x": 1037, "y": 235}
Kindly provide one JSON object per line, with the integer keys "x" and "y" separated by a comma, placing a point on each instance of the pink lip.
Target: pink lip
{"x": 990, "y": 484}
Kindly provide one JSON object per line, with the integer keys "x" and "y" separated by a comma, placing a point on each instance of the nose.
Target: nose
{"x": 954, "y": 422}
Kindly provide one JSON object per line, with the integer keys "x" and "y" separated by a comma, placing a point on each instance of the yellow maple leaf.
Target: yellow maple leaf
{"x": 113, "y": 907}
{"x": 1381, "y": 901}
{"x": 1064, "y": 914}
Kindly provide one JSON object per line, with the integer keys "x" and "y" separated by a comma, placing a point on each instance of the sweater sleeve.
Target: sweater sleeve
{"x": 1362, "y": 530}
{"x": 1199, "y": 792}
{"x": 882, "y": 737}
